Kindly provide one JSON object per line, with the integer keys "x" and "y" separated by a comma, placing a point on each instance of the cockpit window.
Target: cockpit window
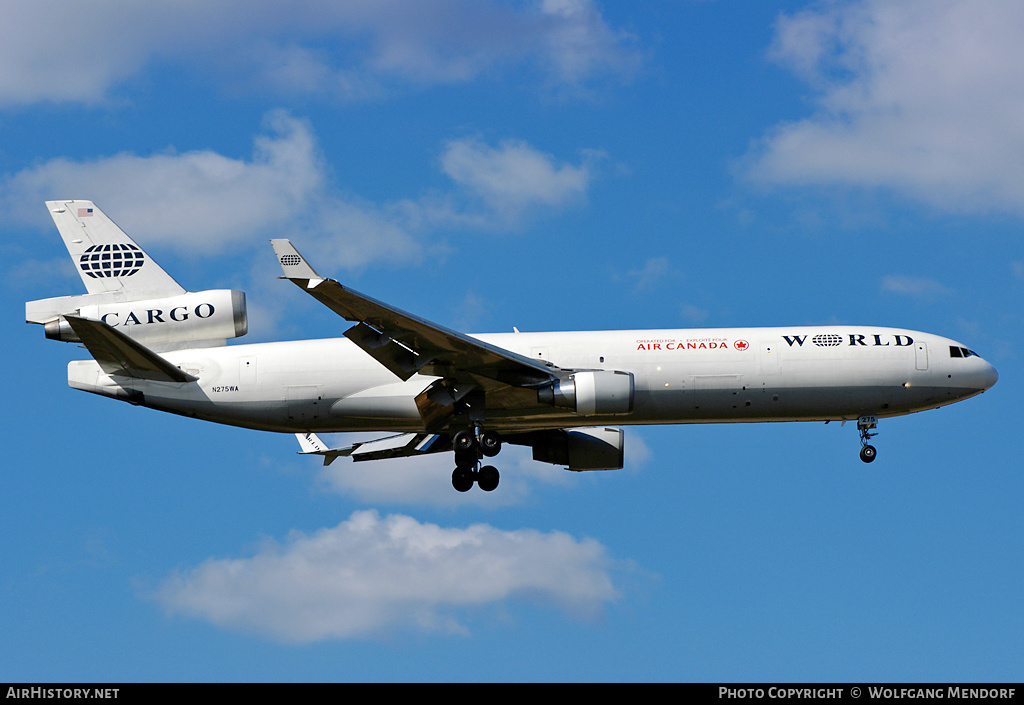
{"x": 955, "y": 351}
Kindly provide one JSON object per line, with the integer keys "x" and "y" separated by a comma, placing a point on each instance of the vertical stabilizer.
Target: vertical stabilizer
{"x": 106, "y": 258}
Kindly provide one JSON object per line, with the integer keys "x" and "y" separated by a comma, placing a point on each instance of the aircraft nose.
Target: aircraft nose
{"x": 987, "y": 376}
{"x": 981, "y": 376}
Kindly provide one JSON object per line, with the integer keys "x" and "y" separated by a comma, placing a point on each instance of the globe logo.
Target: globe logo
{"x": 117, "y": 260}
{"x": 827, "y": 340}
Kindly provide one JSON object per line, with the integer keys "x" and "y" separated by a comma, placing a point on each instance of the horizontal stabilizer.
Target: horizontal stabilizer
{"x": 117, "y": 354}
{"x": 312, "y": 445}
{"x": 400, "y": 446}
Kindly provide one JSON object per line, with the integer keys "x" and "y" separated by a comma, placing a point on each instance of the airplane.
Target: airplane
{"x": 566, "y": 395}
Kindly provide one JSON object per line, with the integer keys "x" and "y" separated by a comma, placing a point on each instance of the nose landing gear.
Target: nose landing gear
{"x": 468, "y": 450}
{"x": 864, "y": 425}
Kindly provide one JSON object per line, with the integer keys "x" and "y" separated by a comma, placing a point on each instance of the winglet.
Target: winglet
{"x": 294, "y": 265}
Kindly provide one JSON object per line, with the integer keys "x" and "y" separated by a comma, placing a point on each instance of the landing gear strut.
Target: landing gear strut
{"x": 864, "y": 425}
{"x": 468, "y": 449}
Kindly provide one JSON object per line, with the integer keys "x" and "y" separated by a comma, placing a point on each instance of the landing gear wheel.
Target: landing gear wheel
{"x": 867, "y": 453}
{"x": 487, "y": 478}
{"x": 490, "y": 443}
{"x": 466, "y": 460}
{"x": 462, "y": 479}
{"x": 463, "y": 442}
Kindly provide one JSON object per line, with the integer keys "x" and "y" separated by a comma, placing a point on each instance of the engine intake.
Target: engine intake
{"x": 592, "y": 392}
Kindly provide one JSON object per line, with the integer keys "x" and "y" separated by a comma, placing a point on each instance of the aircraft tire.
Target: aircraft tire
{"x": 490, "y": 443}
{"x": 462, "y": 479}
{"x": 488, "y": 478}
{"x": 868, "y": 453}
{"x": 463, "y": 441}
{"x": 465, "y": 460}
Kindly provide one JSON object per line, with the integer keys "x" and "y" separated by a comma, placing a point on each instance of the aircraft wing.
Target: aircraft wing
{"x": 399, "y": 446}
{"x": 118, "y": 354}
{"x": 407, "y": 344}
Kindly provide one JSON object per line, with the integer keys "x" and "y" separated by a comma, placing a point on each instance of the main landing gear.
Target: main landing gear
{"x": 864, "y": 425}
{"x": 469, "y": 447}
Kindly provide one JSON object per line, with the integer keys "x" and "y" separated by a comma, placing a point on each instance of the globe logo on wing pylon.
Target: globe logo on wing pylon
{"x": 117, "y": 260}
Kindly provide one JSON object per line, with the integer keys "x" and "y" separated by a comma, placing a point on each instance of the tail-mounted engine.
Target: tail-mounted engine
{"x": 203, "y": 317}
{"x": 592, "y": 392}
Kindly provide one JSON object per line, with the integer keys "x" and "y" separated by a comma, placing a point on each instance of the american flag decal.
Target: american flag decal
{"x": 85, "y": 212}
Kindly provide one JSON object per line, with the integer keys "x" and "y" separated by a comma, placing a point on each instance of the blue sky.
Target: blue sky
{"x": 550, "y": 165}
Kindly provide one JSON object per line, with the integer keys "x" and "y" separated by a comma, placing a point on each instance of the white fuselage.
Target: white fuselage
{"x": 680, "y": 376}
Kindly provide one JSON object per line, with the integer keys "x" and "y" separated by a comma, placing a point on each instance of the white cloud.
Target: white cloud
{"x": 514, "y": 176}
{"x": 917, "y": 287}
{"x": 198, "y": 199}
{"x": 922, "y": 97}
{"x": 370, "y": 576}
{"x": 61, "y": 51}
{"x": 654, "y": 270}
{"x": 471, "y": 311}
{"x": 637, "y": 452}
{"x": 692, "y": 313}
{"x": 580, "y": 43}
{"x": 202, "y": 201}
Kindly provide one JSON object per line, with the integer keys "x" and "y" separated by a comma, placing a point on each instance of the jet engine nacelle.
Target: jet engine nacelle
{"x": 200, "y": 317}
{"x": 591, "y": 392}
{"x": 583, "y": 449}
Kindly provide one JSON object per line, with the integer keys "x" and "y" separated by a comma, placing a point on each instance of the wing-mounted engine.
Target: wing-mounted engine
{"x": 581, "y": 448}
{"x": 591, "y": 392}
{"x": 190, "y": 319}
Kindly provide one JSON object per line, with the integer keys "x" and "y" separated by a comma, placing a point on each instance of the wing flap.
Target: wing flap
{"x": 400, "y": 360}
